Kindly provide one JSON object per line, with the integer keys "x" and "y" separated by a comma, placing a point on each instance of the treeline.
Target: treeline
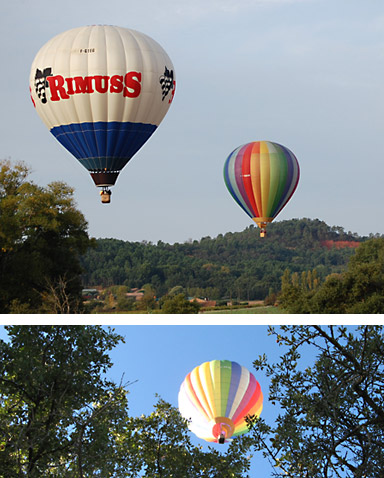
{"x": 358, "y": 290}
{"x": 237, "y": 265}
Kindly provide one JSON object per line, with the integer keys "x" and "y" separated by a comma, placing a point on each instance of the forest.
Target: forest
{"x": 235, "y": 265}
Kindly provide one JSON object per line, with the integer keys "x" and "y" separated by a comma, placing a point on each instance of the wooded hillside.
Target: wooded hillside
{"x": 237, "y": 265}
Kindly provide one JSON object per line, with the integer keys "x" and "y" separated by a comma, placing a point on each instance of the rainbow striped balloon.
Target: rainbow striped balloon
{"x": 216, "y": 397}
{"x": 261, "y": 177}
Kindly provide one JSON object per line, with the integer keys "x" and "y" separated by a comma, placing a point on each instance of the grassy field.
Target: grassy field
{"x": 249, "y": 310}
{"x": 253, "y": 310}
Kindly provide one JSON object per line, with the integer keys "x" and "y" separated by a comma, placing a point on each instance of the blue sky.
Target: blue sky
{"x": 304, "y": 73}
{"x": 159, "y": 358}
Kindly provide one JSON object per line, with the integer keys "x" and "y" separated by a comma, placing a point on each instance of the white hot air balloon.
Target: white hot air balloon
{"x": 102, "y": 91}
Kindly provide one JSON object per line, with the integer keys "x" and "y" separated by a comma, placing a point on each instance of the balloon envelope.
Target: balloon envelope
{"x": 261, "y": 176}
{"x": 102, "y": 91}
{"x": 216, "y": 397}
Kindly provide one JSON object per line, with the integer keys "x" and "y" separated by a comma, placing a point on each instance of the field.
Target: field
{"x": 253, "y": 310}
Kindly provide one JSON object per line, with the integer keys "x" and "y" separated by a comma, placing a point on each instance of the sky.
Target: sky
{"x": 303, "y": 73}
{"x": 156, "y": 358}
{"x": 167, "y": 353}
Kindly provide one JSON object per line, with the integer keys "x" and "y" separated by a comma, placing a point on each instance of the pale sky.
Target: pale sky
{"x": 303, "y": 73}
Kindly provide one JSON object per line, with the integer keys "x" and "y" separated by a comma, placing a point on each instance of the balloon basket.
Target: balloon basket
{"x": 105, "y": 195}
{"x": 262, "y": 223}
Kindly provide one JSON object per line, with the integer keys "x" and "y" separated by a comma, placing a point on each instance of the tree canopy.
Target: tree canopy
{"x": 331, "y": 420}
{"x": 60, "y": 417}
{"x": 164, "y": 449}
{"x": 359, "y": 289}
{"x": 42, "y": 236}
{"x": 178, "y": 304}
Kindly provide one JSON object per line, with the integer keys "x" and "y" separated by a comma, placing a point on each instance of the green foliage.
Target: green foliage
{"x": 58, "y": 416}
{"x": 178, "y": 304}
{"x": 239, "y": 266}
{"x": 42, "y": 235}
{"x": 358, "y": 290}
{"x": 148, "y": 301}
{"x": 331, "y": 420}
{"x": 164, "y": 450}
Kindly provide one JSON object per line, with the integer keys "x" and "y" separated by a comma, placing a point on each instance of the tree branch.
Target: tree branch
{"x": 356, "y": 386}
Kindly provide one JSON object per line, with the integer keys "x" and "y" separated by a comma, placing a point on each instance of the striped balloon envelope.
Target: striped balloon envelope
{"x": 102, "y": 91}
{"x": 261, "y": 177}
{"x": 216, "y": 397}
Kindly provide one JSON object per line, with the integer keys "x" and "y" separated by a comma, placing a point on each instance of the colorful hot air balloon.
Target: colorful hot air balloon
{"x": 102, "y": 91}
{"x": 216, "y": 397}
{"x": 261, "y": 177}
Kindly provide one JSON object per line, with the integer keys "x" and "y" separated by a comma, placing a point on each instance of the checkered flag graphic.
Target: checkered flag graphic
{"x": 166, "y": 82}
{"x": 41, "y": 83}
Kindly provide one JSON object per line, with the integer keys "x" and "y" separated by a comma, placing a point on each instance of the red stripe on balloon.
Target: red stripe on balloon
{"x": 247, "y": 181}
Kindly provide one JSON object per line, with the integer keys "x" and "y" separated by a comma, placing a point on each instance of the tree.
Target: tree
{"x": 357, "y": 290}
{"x": 178, "y": 304}
{"x": 59, "y": 417}
{"x": 365, "y": 279}
{"x": 164, "y": 449}
{"x": 331, "y": 422}
{"x": 148, "y": 301}
{"x": 42, "y": 235}
{"x": 293, "y": 297}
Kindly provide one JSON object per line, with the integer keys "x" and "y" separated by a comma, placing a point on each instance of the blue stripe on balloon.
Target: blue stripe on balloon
{"x": 103, "y": 145}
{"x": 230, "y": 179}
{"x": 235, "y": 380}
